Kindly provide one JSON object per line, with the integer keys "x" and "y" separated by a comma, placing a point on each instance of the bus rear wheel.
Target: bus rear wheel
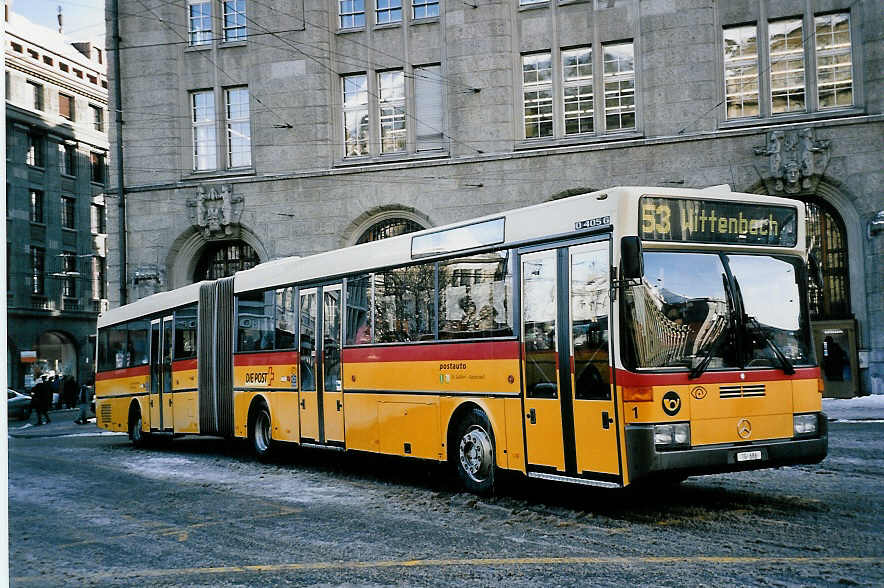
{"x": 136, "y": 433}
{"x": 473, "y": 453}
{"x": 260, "y": 433}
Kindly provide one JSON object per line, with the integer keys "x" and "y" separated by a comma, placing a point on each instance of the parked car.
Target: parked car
{"x": 18, "y": 405}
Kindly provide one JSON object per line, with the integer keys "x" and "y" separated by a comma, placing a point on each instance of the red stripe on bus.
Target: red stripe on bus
{"x": 184, "y": 364}
{"x": 141, "y": 370}
{"x": 270, "y": 357}
{"x": 625, "y": 378}
{"x": 436, "y": 352}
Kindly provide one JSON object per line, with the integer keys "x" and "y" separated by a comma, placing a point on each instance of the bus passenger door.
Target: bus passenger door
{"x": 156, "y": 376}
{"x": 166, "y": 396}
{"x": 332, "y": 394}
{"x": 540, "y": 329}
{"x": 595, "y": 416}
{"x": 307, "y": 395}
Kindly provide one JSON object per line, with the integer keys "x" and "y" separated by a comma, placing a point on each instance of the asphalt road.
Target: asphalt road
{"x": 88, "y": 509}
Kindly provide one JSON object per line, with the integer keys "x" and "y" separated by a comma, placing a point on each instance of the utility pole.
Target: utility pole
{"x": 121, "y": 192}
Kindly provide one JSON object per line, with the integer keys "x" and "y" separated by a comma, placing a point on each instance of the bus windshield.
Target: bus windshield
{"x": 716, "y": 311}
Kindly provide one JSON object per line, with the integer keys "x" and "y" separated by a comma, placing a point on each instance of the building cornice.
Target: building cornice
{"x": 85, "y": 90}
{"x": 762, "y": 128}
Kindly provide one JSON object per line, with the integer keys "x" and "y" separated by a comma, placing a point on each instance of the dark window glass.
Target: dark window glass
{"x": 38, "y": 267}
{"x": 115, "y": 355}
{"x": 307, "y": 340}
{"x": 66, "y": 106}
{"x": 68, "y": 213}
{"x": 225, "y": 259}
{"x": 98, "y": 171}
{"x": 475, "y": 296}
{"x": 36, "y": 206}
{"x": 389, "y": 228}
{"x": 36, "y": 154}
{"x": 99, "y": 222}
{"x": 136, "y": 349}
{"x": 254, "y": 312}
{"x": 826, "y": 239}
{"x": 358, "y": 307}
{"x": 404, "y": 304}
{"x": 185, "y": 332}
{"x": 331, "y": 339}
{"x": 69, "y": 285}
{"x": 539, "y": 320}
{"x": 285, "y": 318}
{"x": 590, "y": 307}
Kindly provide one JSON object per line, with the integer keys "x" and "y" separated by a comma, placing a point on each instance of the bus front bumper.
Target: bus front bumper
{"x": 645, "y": 462}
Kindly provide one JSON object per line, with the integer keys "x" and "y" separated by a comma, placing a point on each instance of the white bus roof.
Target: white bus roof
{"x": 152, "y": 304}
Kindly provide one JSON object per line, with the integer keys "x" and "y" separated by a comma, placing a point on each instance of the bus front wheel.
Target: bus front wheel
{"x": 473, "y": 449}
{"x": 260, "y": 433}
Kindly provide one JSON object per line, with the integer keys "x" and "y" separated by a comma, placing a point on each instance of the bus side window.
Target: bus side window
{"x": 185, "y": 332}
{"x": 136, "y": 346}
{"x": 255, "y": 320}
{"x": 358, "y": 310}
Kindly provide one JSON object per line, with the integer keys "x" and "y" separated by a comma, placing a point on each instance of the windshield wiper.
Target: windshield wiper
{"x": 788, "y": 368}
{"x": 704, "y": 363}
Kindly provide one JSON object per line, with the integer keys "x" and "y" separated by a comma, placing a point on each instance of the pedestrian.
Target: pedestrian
{"x": 41, "y": 396}
{"x": 83, "y": 398}
{"x": 69, "y": 391}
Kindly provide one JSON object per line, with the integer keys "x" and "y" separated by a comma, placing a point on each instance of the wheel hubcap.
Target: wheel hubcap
{"x": 262, "y": 432}
{"x": 476, "y": 453}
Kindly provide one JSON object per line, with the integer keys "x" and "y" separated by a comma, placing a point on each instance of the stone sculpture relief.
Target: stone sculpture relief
{"x": 795, "y": 160}
{"x": 216, "y": 211}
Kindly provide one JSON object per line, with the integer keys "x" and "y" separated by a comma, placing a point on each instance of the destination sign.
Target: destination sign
{"x": 716, "y": 221}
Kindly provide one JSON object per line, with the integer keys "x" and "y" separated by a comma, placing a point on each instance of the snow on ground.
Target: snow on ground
{"x": 861, "y": 408}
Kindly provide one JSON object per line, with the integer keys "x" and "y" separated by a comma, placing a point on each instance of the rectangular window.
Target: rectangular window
{"x": 428, "y": 108}
{"x": 136, "y": 346}
{"x": 476, "y": 296}
{"x": 98, "y": 222}
{"x": 36, "y": 155}
{"x": 67, "y": 160}
{"x": 234, "y": 20}
{"x": 391, "y": 110}
{"x": 537, "y": 94}
{"x": 37, "y": 90}
{"x": 388, "y": 11}
{"x": 199, "y": 23}
{"x": 70, "y": 281}
{"x": 97, "y": 118}
{"x": 425, "y": 8}
{"x": 834, "y": 64}
{"x": 355, "y": 99}
{"x": 66, "y": 106}
{"x": 68, "y": 213}
{"x": 36, "y": 206}
{"x": 404, "y": 304}
{"x": 285, "y": 318}
{"x": 99, "y": 282}
{"x": 98, "y": 168}
{"x": 38, "y": 266}
{"x": 185, "y": 332}
{"x": 255, "y": 321}
{"x": 786, "y": 65}
{"x": 619, "y": 80}
{"x": 351, "y": 13}
{"x": 358, "y": 310}
{"x": 205, "y": 145}
{"x": 577, "y": 90}
{"x": 63, "y": 66}
{"x": 239, "y": 146}
{"x": 741, "y": 71}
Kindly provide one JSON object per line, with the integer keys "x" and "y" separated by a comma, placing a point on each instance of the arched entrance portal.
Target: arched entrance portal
{"x": 56, "y": 352}
{"x": 390, "y": 227}
{"x": 225, "y": 258}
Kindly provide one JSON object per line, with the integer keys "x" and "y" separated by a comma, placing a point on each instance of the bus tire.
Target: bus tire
{"x": 473, "y": 452}
{"x": 136, "y": 433}
{"x": 260, "y": 433}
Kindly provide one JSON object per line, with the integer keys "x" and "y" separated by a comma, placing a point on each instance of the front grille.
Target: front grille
{"x": 741, "y": 391}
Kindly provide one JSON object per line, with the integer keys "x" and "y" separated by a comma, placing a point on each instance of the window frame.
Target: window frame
{"x": 35, "y": 156}
{"x": 98, "y": 168}
{"x": 387, "y": 12}
{"x": 242, "y": 28}
{"x": 39, "y": 95}
{"x": 37, "y": 206}
{"x": 199, "y": 37}
{"x": 811, "y": 69}
{"x": 426, "y": 6}
{"x": 67, "y": 160}
{"x": 97, "y": 117}
{"x": 230, "y": 122}
{"x": 38, "y": 270}
{"x": 352, "y": 15}
{"x": 397, "y": 99}
{"x": 196, "y": 125}
{"x": 68, "y": 212}
{"x": 71, "y": 107}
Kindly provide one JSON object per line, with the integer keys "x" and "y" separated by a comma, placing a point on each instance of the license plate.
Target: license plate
{"x": 748, "y": 455}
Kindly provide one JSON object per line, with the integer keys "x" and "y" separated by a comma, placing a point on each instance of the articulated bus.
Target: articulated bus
{"x": 615, "y": 337}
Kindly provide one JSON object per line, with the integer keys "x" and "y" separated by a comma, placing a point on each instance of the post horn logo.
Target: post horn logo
{"x": 744, "y": 429}
{"x": 671, "y": 403}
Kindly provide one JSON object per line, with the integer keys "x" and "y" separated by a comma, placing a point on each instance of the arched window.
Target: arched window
{"x": 826, "y": 236}
{"x": 391, "y": 227}
{"x": 223, "y": 259}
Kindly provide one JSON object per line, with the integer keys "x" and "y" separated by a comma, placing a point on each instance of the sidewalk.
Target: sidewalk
{"x": 863, "y": 408}
{"x": 62, "y": 424}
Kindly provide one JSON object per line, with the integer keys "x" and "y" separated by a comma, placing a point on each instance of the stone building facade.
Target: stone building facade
{"x": 56, "y": 151}
{"x": 256, "y": 130}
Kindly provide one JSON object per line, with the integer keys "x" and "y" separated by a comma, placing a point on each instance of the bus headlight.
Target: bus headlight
{"x": 672, "y": 435}
{"x": 805, "y": 424}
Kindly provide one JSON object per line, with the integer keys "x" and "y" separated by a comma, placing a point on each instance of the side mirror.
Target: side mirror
{"x": 631, "y": 260}
{"x": 815, "y": 272}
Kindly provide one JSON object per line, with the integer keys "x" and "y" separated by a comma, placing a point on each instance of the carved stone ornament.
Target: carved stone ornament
{"x": 215, "y": 211}
{"x": 796, "y": 159}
